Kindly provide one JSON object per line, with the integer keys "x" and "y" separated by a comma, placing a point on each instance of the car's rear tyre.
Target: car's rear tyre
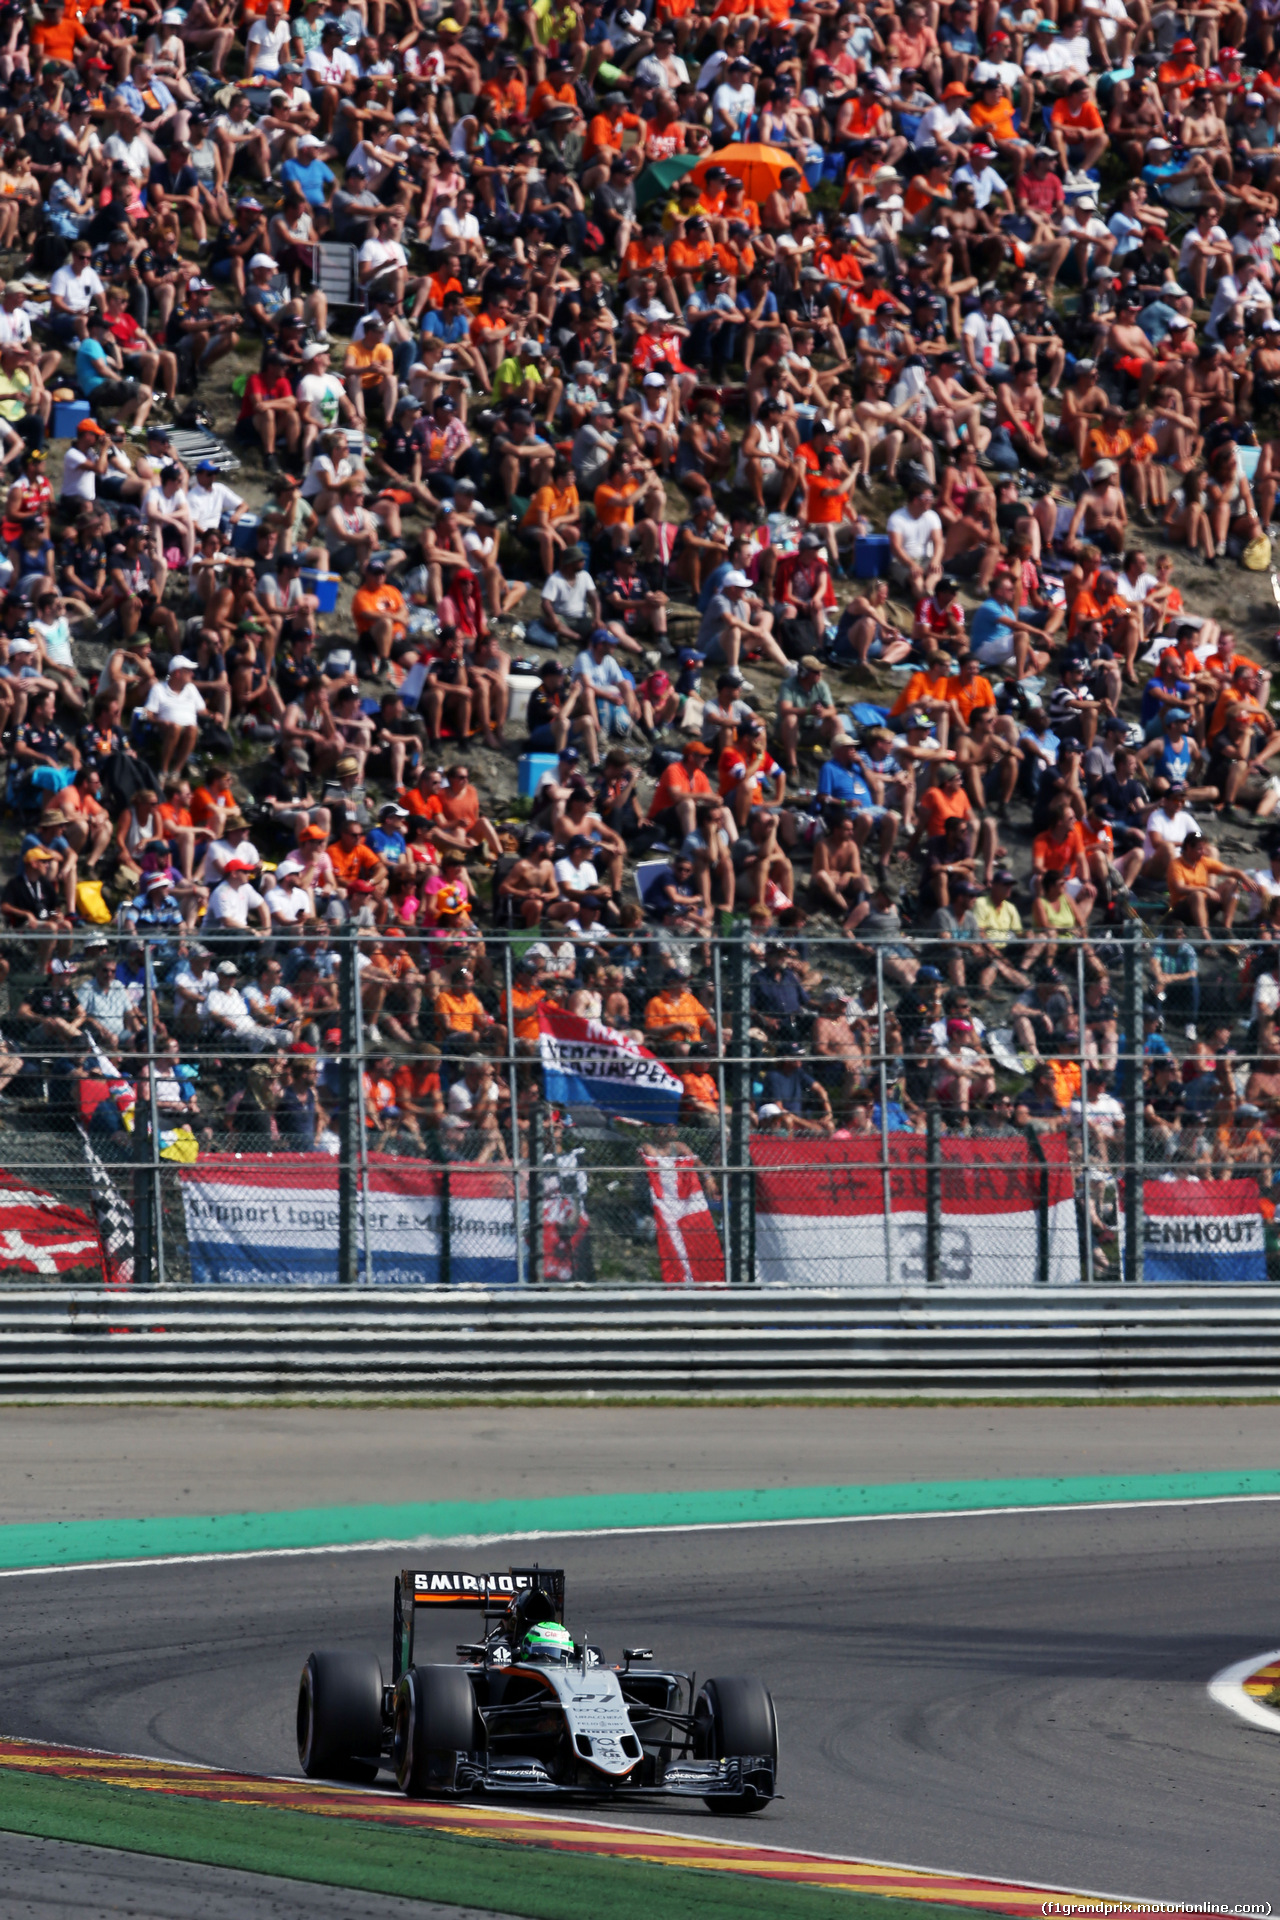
{"x": 435, "y": 1718}
{"x": 735, "y": 1717}
{"x": 340, "y": 1716}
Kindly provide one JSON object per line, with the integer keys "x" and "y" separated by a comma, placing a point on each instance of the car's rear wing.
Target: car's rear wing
{"x": 490, "y": 1593}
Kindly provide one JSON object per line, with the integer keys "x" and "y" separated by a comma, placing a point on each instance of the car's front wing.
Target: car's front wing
{"x": 682, "y": 1779}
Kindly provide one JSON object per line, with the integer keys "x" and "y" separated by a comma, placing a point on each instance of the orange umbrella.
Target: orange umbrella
{"x": 757, "y": 166}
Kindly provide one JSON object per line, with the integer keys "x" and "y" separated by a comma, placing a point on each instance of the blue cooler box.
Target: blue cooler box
{"x": 67, "y": 415}
{"x": 871, "y": 557}
{"x": 530, "y": 769}
{"x": 244, "y": 534}
{"x": 324, "y": 586}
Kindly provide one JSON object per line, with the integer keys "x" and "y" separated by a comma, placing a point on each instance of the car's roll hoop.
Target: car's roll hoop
{"x": 527, "y": 1593}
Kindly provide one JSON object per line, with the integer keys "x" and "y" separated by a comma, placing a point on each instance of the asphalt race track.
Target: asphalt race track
{"x": 1021, "y": 1696}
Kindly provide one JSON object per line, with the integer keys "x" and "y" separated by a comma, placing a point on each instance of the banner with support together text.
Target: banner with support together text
{"x": 272, "y": 1220}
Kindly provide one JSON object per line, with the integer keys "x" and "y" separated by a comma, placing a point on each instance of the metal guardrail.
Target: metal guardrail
{"x": 70, "y": 1344}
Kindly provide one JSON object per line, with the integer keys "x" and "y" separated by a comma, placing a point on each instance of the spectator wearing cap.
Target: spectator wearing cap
{"x": 806, "y": 712}
{"x": 175, "y": 706}
{"x": 235, "y": 906}
{"x": 322, "y": 397}
{"x": 570, "y": 608}
{"x": 558, "y": 713}
{"x": 199, "y": 335}
{"x": 368, "y": 371}
{"x": 734, "y": 617}
{"x": 211, "y": 501}
{"x": 380, "y": 616}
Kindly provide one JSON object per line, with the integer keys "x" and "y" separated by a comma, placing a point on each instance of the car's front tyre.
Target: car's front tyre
{"x": 435, "y": 1720}
{"x": 735, "y": 1718}
{"x": 340, "y": 1716}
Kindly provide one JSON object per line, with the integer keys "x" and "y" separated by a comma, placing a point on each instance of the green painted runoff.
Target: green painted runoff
{"x": 535, "y": 1883}
{"x": 77, "y": 1542}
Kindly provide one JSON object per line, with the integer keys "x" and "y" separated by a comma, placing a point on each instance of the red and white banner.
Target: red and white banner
{"x": 688, "y": 1244}
{"x": 820, "y": 1213}
{"x": 41, "y": 1234}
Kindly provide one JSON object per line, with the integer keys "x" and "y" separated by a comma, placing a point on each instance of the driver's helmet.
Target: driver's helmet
{"x": 548, "y": 1640}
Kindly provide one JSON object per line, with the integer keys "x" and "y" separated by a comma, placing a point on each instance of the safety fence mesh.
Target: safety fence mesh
{"x": 337, "y": 1110}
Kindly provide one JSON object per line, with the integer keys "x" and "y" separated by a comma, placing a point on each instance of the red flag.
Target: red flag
{"x": 41, "y": 1234}
{"x": 688, "y": 1243}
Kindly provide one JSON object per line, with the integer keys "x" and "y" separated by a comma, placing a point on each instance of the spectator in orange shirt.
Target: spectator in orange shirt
{"x": 556, "y": 90}
{"x": 213, "y": 801}
{"x": 825, "y": 498}
{"x": 627, "y": 481}
{"x": 992, "y": 113}
{"x": 361, "y": 876}
{"x": 926, "y": 692}
{"x": 87, "y": 825}
{"x": 674, "y": 1012}
{"x": 1200, "y": 887}
{"x": 604, "y": 140}
{"x": 672, "y": 809}
{"x": 507, "y": 91}
{"x": 688, "y": 254}
{"x": 418, "y": 1094}
{"x": 527, "y": 995}
{"x": 1076, "y": 132}
{"x": 57, "y": 35}
{"x": 460, "y": 806}
{"x": 968, "y": 689}
{"x": 946, "y": 801}
{"x": 460, "y": 1015}
{"x": 1061, "y": 849}
{"x": 380, "y": 615}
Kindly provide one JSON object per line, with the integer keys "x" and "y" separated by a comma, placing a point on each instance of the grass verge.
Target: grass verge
{"x": 529, "y": 1881}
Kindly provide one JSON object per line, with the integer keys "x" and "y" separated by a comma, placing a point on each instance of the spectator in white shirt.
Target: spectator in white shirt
{"x": 209, "y": 498}
{"x": 266, "y": 42}
{"x": 330, "y": 73}
{"x": 175, "y": 705}
{"x": 916, "y": 543}
{"x": 227, "y": 1011}
{"x": 234, "y": 903}
{"x": 72, "y": 291}
{"x": 733, "y": 102}
{"x": 167, "y": 513}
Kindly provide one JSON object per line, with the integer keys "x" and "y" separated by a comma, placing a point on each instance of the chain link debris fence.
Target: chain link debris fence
{"x": 340, "y": 1109}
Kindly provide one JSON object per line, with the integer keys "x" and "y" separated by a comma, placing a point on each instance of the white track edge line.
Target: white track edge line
{"x": 611, "y": 1533}
{"x": 1226, "y": 1689}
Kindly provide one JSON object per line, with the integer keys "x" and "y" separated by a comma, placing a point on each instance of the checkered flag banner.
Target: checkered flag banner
{"x": 115, "y": 1221}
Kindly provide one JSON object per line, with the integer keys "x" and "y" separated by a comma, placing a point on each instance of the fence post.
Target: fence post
{"x": 726, "y": 1235}
{"x": 153, "y": 1116}
{"x": 349, "y": 1143}
{"x": 1135, "y": 1142}
{"x": 144, "y": 1148}
{"x": 1037, "y": 1153}
{"x": 508, "y": 979}
{"x": 932, "y": 1195}
{"x": 739, "y": 1184}
{"x": 1085, "y": 1145}
{"x": 886, "y": 1176}
{"x": 536, "y": 1263}
{"x": 446, "y": 1228}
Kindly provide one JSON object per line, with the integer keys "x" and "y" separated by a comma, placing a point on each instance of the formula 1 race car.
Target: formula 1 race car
{"x": 531, "y": 1710}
